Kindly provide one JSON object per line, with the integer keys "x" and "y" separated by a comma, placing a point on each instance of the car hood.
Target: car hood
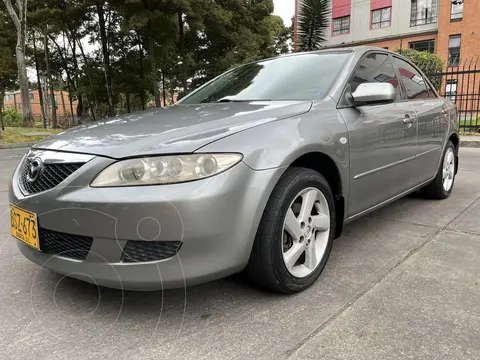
{"x": 178, "y": 129}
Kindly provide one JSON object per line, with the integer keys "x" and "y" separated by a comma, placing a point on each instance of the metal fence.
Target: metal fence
{"x": 461, "y": 84}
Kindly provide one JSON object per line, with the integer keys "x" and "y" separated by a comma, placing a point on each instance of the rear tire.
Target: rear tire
{"x": 442, "y": 185}
{"x": 294, "y": 240}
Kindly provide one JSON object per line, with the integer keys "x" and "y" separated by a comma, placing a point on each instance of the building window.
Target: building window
{"x": 423, "y": 12}
{"x": 341, "y": 25}
{"x": 32, "y": 96}
{"x": 456, "y": 11}
{"x": 424, "y": 45}
{"x": 454, "y": 50}
{"x": 451, "y": 90}
{"x": 381, "y": 17}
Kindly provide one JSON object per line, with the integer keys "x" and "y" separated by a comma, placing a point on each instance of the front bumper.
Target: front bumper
{"x": 215, "y": 219}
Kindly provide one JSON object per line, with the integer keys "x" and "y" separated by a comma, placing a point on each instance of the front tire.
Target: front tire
{"x": 296, "y": 232}
{"x": 442, "y": 185}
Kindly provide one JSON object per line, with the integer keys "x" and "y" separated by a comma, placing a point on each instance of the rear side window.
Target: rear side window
{"x": 413, "y": 81}
{"x": 374, "y": 68}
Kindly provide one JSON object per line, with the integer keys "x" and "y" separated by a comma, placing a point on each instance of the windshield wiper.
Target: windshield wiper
{"x": 238, "y": 100}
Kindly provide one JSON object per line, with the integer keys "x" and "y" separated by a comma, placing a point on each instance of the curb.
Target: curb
{"x": 16, "y": 146}
{"x": 471, "y": 144}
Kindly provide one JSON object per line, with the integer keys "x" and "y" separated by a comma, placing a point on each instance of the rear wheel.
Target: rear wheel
{"x": 296, "y": 233}
{"x": 442, "y": 185}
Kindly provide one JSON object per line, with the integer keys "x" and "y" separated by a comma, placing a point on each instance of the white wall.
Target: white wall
{"x": 360, "y": 24}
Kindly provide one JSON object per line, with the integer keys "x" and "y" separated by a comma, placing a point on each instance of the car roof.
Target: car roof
{"x": 361, "y": 49}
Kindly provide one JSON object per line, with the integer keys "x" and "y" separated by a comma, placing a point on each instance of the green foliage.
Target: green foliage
{"x": 313, "y": 19}
{"x": 146, "y": 47}
{"x": 430, "y": 64}
{"x": 12, "y": 117}
{"x": 8, "y": 64}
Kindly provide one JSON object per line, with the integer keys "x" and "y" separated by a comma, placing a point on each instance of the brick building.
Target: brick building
{"x": 62, "y": 102}
{"x": 446, "y": 27}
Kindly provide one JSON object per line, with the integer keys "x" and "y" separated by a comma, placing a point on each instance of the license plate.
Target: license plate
{"x": 24, "y": 226}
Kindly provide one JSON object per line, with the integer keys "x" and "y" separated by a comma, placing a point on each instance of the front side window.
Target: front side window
{"x": 374, "y": 68}
{"x": 341, "y": 25}
{"x": 412, "y": 80}
{"x": 424, "y": 45}
{"x": 456, "y": 11}
{"x": 381, "y": 17}
{"x": 423, "y": 12}
{"x": 299, "y": 77}
{"x": 454, "y": 50}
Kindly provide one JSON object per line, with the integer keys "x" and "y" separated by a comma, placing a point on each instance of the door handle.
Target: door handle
{"x": 408, "y": 119}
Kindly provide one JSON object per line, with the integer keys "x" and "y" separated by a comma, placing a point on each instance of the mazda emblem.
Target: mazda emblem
{"x": 35, "y": 170}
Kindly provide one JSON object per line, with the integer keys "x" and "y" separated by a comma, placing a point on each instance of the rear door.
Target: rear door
{"x": 432, "y": 117}
{"x": 383, "y": 138}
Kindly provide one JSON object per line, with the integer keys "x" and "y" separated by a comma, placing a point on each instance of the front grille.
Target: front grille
{"x": 145, "y": 251}
{"x": 51, "y": 176}
{"x": 66, "y": 245}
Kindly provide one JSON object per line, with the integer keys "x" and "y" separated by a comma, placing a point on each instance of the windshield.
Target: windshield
{"x": 300, "y": 77}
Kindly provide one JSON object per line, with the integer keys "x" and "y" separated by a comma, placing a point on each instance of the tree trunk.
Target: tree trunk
{"x": 71, "y": 105}
{"x": 48, "y": 112}
{"x": 52, "y": 88}
{"x": 181, "y": 32}
{"x": 164, "y": 89}
{"x": 2, "y": 96}
{"x": 106, "y": 57}
{"x": 19, "y": 20}
{"x": 24, "y": 88}
{"x": 153, "y": 64}
{"x": 63, "y": 100}
{"x": 140, "y": 50}
{"x": 40, "y": 91}
{"x": 124, "y": 75}
{"x": 87, "y": 71}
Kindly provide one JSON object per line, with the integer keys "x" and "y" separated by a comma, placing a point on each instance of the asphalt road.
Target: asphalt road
{"x": 401, "y": 283}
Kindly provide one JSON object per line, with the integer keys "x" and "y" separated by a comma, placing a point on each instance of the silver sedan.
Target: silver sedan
{"x": 256, "y": 171}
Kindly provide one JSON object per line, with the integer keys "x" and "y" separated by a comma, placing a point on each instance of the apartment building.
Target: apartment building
{"x": 445, "y": 27}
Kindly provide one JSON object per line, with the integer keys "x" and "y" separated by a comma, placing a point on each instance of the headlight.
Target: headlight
{"x": 164, "y": 169}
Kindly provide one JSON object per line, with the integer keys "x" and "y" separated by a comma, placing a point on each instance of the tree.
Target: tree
{"x": 8, "y": 66}
{"x": 118, "y": 56}
{"x": 18, "y": 15}
{"x": 313, "y": 20}
{"x": 39, "y": 81}
{"x": 281, "y": 36}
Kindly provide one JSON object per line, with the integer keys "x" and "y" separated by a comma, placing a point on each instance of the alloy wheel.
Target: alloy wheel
{"x": 306, "y": 231}
{"x": 448, "y": 172}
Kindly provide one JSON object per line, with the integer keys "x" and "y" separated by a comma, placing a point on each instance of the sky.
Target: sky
{"x": 285, "y": 9}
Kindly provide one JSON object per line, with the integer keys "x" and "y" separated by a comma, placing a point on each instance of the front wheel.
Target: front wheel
{"x": 296, "y": 233}
{"x": 442, "y": 185}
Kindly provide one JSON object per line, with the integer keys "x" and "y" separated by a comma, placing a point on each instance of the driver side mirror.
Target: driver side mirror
{"x": 369, "y": 93}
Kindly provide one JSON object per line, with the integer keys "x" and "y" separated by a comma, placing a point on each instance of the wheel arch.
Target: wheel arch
{"x": 455, "y": 139}
{"x": 326, "y": 166}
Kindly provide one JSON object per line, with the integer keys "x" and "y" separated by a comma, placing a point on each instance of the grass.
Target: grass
{"x": 15, "y": 135}
{"x": 468, "y": 122}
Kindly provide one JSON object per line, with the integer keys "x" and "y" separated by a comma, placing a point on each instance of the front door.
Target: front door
{"x": 432, "y": 117}
{"x": 383, "y": 139}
